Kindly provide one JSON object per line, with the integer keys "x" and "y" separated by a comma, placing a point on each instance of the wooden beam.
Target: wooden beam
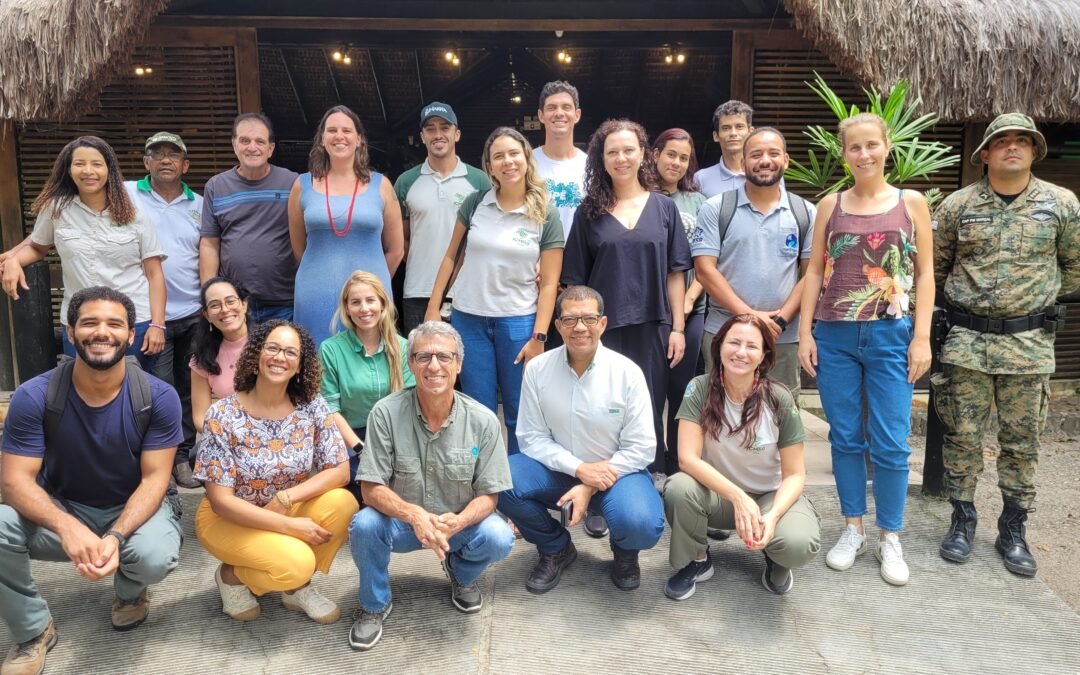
{"x": 973, "y": 133}
{"x": 11, "y": 221}
{"x": 480, "y": 76}
{"x": 472, "y": 24}
{"x": 742, "y": 66}
{"x": 248, "y": 85}
{"x": 378, "y": 89}
{"x": 292, "y": 85}
{"x": 419, "y": 75}
{"x": 333, "y": 78}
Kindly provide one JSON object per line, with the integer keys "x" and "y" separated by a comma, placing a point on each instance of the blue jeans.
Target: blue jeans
{"x": 867, "y": 361}
{"x": 373, "y": 536}
{"x": 631, "y": 507}
{"x": 491, "y": 345}
{"x": 146, "y": 361}
{"x": 260, "y": 312}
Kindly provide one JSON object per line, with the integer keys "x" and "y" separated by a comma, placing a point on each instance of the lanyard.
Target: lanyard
{"x": 348, "y": 222}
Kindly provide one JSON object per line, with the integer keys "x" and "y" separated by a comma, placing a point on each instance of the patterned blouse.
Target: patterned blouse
{"x": 258, "y": 457}
{"x": 869, "y": 265}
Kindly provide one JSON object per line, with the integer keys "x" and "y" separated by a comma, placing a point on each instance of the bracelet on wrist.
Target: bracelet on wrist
{"x": 282, "y": 497}
{"x": 157, "y": 325}
{"x": 120, "y": 539}
{"x": 677, "y": 330}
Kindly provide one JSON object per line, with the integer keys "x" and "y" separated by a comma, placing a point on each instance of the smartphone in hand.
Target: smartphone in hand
{"x": 567, "y": 512}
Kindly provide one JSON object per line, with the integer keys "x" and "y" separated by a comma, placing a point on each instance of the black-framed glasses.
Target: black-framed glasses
{"x": 272, "y": 350}
{"x": 590, "y": 320}
{"x": 231, "y": 302}
{"x": 158, "y": 155}
{"x": 424, "y": 358}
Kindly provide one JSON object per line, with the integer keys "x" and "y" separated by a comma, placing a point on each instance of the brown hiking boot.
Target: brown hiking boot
{"x": 28, "y": 658}
{"x": 129, "y": 614}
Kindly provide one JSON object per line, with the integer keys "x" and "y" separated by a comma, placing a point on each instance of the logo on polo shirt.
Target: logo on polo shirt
{"x": 196, "y": 215}
{"x": 523, "y": 237}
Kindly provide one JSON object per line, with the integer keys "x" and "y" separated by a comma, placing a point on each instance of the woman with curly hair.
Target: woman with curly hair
{"x": 274, "y": 465}
{"x": 342, "y": 216}
{"x": 676, "y": 163}
{"x": 741, "y": 452}
{"x": 628, "y": 243}
{"x": 506, "y": 234}
{"x": 362, "y": 363}
{"x": 873, "y": 246}
{"x": 101, "y": 239}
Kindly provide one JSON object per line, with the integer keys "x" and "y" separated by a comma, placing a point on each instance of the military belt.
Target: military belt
{"x": 1051, "y": 319}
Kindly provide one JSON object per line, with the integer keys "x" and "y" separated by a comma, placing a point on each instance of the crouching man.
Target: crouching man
{"x": 87, "y": 456}
{"x": 430, "y": 474}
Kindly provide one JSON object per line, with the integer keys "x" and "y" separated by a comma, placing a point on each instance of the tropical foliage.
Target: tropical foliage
{"x": 912, "y": 157}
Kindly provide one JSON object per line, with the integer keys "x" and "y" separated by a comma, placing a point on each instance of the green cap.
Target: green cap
{"x": 165, "y": 137}
{"x": 1011, "y": 122}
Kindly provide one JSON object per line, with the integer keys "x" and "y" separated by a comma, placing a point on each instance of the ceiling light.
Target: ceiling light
{"x": 456, "y": 61}
{"x": 337, "y": 55}
{"x": 346, "y": 59}
{"x": 680, "y": 57}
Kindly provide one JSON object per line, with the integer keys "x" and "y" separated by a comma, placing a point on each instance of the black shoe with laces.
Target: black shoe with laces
{"x": 683, "y": 583}
{"x": 548, "y": 570}
{"x": 775, "y": 578}
{"x": 625, "y": 570}
{"x": 957, "y": 543}
{"x": 1011, "y": 542}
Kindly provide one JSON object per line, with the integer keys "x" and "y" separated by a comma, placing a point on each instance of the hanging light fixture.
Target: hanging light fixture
{"x": 337, "y": 55}
{"x": 346, "y": 59}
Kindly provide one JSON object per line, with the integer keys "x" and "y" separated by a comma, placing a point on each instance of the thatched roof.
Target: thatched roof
{"x": 967, "y": 59}
{"x": 57, "y": 55}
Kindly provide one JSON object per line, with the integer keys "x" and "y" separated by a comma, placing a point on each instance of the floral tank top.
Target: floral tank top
{"x": 869, "y": 265}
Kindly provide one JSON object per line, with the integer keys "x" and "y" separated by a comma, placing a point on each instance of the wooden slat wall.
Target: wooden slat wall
{"x": 781, "y": 98}
{"x": 192, "y": 92}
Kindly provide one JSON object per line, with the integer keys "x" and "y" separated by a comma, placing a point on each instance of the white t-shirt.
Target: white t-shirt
{"x": 566, "y": 183}
{"x": 498, "y": 273}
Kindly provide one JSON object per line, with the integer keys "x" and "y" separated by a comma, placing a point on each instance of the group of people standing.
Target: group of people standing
{"x": 267, "y": 304}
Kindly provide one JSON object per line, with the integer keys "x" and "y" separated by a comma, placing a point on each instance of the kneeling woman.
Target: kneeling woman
{"x": 274, "y": 465}
{"x": 741, "y": 453}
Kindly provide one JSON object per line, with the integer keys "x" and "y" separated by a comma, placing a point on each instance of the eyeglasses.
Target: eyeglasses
{"x": 162, "y": 154}
{"x": 230, "y": 302}
{"x": 572, "y": 321}
{"x": 272, "y": 350}
{"x": 424, "y": 358}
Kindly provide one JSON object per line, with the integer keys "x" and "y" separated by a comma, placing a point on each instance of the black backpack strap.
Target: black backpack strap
{"x": 142, "y": 404}
{"x": 56, "y": 398}
{"x": 801, "y": 212}
{"x": 729, "y": 201}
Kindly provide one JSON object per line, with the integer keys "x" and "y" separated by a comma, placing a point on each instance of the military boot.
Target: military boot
{"x": 957, "y": 544}
{"x": 1011, "y": 543}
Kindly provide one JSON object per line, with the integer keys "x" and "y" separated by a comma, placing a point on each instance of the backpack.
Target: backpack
{"x": 729, "y": 201}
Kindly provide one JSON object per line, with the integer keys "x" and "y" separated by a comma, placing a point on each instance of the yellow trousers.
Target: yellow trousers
{"x": 270, "y": 561}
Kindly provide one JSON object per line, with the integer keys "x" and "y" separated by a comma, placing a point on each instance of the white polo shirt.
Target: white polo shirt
{"x": 606, "y": 414}
{"x": 96, "y": 251}
{"x": 177, "y": 226}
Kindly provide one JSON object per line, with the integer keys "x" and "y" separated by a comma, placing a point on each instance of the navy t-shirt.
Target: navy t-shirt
{"x": 629, "y": 268}
{"x": 97, "y": 461}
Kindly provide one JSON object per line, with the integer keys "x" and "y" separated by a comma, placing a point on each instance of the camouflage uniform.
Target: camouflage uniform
{"x": 1001, "y": 260}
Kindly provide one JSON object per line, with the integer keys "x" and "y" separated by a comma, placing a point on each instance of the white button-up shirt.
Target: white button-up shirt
{"x": 565, "y": 420}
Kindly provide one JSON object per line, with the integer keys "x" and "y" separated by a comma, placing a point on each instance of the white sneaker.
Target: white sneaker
{"x": 237, "y": 601}
{"x": 893, "y": 568}
{"x": 842, "y": 555}
{"x": 319, "y": 608}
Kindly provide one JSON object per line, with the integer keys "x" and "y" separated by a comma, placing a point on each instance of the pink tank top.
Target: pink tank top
{"x": 869, "y": 265}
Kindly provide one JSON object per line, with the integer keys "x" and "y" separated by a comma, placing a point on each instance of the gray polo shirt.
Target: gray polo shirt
{"x": 759, "y": 256}
{"x": 718, "y": 179}
{"x": 442, "y": 470}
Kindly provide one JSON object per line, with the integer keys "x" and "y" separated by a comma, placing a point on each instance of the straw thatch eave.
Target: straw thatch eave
{"x": 967, "y": 59}
{"x": 57, "y": 55}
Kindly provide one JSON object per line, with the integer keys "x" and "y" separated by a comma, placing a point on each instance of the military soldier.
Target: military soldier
{"x": 1004, "y": 249}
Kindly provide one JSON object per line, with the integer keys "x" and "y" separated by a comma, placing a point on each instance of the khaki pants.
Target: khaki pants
{"x": 785, "y": 370}
{"x": 690, "y": 507}
{"x": 270, "y": 561}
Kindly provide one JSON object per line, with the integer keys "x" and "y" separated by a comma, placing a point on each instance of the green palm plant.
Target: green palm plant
{"x": 912, "y": 157}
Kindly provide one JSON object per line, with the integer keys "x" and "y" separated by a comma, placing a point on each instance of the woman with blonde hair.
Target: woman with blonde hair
{"x": 505, "y": 234}
{"x": 872, "y": 247}
{"x": 342, "y": 216}
{"x": 362, "y": 363}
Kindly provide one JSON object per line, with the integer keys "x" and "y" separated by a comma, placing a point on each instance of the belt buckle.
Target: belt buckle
{"x": 994, "y": 325}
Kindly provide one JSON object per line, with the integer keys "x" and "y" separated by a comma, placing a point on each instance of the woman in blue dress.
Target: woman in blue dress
{"x": 342, "y": 217}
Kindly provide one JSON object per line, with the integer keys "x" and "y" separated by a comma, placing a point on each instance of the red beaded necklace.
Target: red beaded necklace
{"x": 348, "y": 222}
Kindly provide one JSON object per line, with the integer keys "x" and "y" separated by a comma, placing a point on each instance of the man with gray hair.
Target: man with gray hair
{"x": 732, "y": 123}
{"x": 430, "y": 475}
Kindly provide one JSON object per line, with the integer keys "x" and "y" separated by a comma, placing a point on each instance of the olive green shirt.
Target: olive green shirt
{"x": 1006, "y": 260}
{"x": 441, "y": 470}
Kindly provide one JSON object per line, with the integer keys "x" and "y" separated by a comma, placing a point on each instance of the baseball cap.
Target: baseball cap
{"x": 1011, "y": 122}
{"x": 436, "y": 109}
{"x": 165, "y": 137}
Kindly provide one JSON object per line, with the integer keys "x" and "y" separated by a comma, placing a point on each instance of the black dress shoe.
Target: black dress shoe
{"x": 595, "y": 526}
{"x": 957, "y": 543}
{"x": 625, "y": 571}
{"x": 1011, "y": 543}
{"x": 545, "y": 576}
{"x": 717, "y": 534}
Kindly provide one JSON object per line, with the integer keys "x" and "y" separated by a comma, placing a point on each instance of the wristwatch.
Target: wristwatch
{"x": 780, "y": 321}
{"x": 540, "y": 337}
{"x": 120, "y": 539}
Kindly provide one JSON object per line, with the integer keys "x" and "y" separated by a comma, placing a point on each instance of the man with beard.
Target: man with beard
{"x": 89, "y": 484}
{"x": 751, "y": 248}
{"x": 430, "y": 195}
